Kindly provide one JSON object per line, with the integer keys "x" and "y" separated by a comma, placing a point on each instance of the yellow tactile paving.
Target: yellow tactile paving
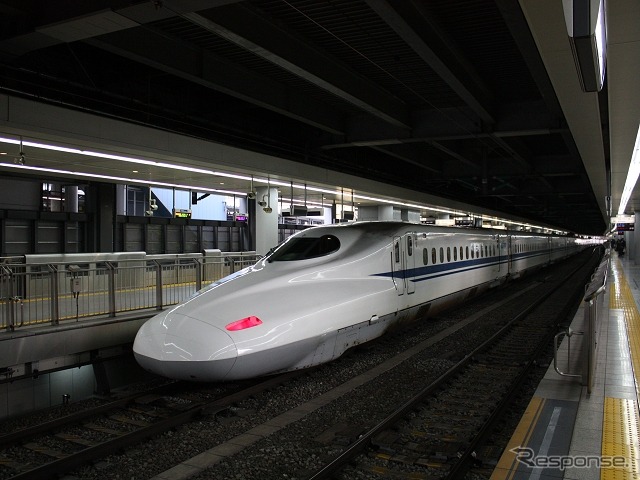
{"x": 622, "y": 298}
{"x": 620, "y": 428}
{"x": 620, "y": 437}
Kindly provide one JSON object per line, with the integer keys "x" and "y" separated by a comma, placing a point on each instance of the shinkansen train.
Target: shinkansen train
{"x": 329, "y": 288}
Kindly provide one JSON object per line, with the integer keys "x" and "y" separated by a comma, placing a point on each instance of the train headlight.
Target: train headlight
{"x": 247, "y": 322}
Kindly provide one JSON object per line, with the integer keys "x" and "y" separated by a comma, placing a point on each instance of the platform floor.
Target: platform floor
{"x": 567, "y": 432}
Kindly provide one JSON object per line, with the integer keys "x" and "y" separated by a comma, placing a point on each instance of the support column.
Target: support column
{"x": 266, "y": 223}
{"x": 633, "y": 247}
{"x": 121, "y": 199}
{"x": 386, "y": 212}
{"x": 71, "y": 198}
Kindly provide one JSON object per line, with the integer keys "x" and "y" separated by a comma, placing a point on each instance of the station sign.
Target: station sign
{"x": 181, "y": 213}
{"x": 625, "y": 227}
{"x": 464, "y": 222}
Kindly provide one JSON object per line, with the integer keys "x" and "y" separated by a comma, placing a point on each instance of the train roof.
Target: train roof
{"x": 390, "y": 227}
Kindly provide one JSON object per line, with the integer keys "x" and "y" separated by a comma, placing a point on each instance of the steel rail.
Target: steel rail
{"x": 364, "y": 441}
{"x": 93, "y": 453}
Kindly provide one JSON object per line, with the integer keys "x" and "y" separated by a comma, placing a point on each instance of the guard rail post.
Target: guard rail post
{"x": 7, "y": 278}
{"x": 111, "y": 273}
{"x": 199, "y": 268}
{"x": 232, "y": 264}
{"x": 55, "y": 294}
{"x": 158, "y": 285}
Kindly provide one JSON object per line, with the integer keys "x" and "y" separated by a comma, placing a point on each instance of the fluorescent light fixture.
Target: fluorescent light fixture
{"x": 632, "y": 176}
{"x": 267, "y": 181}
{"x": 587, "y": 31}
{"x": 133, "y": 181}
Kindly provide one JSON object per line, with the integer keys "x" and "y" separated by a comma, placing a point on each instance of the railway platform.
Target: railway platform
{"x": 576, "y": 431}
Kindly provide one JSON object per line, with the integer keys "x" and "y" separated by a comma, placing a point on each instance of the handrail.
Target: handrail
{"x": 592, "y": 315}
{"x": 51, "y": 292}
{"x": 569, "y": 333}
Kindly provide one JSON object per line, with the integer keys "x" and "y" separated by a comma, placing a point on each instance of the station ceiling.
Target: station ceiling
{"x": 472, "y": 101}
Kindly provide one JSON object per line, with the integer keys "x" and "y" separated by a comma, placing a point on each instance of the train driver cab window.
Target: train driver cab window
{"x": 302, "y": 248}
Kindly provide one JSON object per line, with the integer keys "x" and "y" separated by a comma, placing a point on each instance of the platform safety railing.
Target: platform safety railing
{"x": 594, "y": 310}
{"x": 54, "y": 292}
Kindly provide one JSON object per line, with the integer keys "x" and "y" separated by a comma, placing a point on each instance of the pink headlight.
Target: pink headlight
{"x": 248, "y": 322}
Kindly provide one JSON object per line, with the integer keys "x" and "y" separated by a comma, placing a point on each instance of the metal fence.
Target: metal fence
{"x": 595, "y": 310}
{"x": 89, "y": 285}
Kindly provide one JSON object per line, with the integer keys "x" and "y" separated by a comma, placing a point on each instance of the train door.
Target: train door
{"x": 410, "y": 262}
{"x": 509, "y": 254}
{"x": 397, "y": 265}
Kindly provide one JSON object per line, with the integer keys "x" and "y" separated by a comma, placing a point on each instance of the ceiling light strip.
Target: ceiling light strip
{"x": 133, "y": 181}
{"x": 632, "y": 175}
{"x": 267, "y": 181}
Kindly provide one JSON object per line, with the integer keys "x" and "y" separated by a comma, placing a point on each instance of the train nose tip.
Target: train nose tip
{"x": 181, "y": 347}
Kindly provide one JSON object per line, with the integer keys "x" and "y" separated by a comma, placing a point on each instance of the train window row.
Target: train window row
{"x": 453, "y": 253}
{"x": 528, "y": 247}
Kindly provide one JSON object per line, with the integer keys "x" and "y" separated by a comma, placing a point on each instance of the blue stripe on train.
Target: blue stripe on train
{"x": 434, "y": 271}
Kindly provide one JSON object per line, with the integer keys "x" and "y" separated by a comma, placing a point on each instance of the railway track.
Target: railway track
{"x": 437, "y": 433}
{"x": 390, "y": 372}
{"x": 450, "y": 390}
{"x": 69, "y": 442}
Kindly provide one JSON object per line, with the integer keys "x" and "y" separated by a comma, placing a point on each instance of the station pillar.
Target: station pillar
{"x": 71, "y": 198}
{"x": 633, "y": 247}
{"x": 266, "y": 223}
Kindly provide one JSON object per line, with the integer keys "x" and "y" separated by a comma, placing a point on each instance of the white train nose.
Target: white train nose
{"x": 181, "y": 347}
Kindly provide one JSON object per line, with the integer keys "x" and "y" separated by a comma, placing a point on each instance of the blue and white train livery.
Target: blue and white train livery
{"x": 329, "y": 288}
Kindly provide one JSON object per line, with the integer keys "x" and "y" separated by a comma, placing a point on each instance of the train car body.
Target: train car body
{"x": 327, "y": 289}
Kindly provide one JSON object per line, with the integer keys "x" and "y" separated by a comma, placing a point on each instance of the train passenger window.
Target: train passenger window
{"x": 433, "y": 256}
{"x": 441, "y": 254}
{"x": 396, "y": 251}
{"x": 467, "y": 252}
{"x": 486, "y": 251}
{"x": 302, "y": 248}
{"x": 409, "y": 245}
{"x": 455, "y": 254}
{"x": 448, "y": 254}
{"x": 425, "y": 256}
{"x": 473, "y": 251}
{"x": 461, "y": 253}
